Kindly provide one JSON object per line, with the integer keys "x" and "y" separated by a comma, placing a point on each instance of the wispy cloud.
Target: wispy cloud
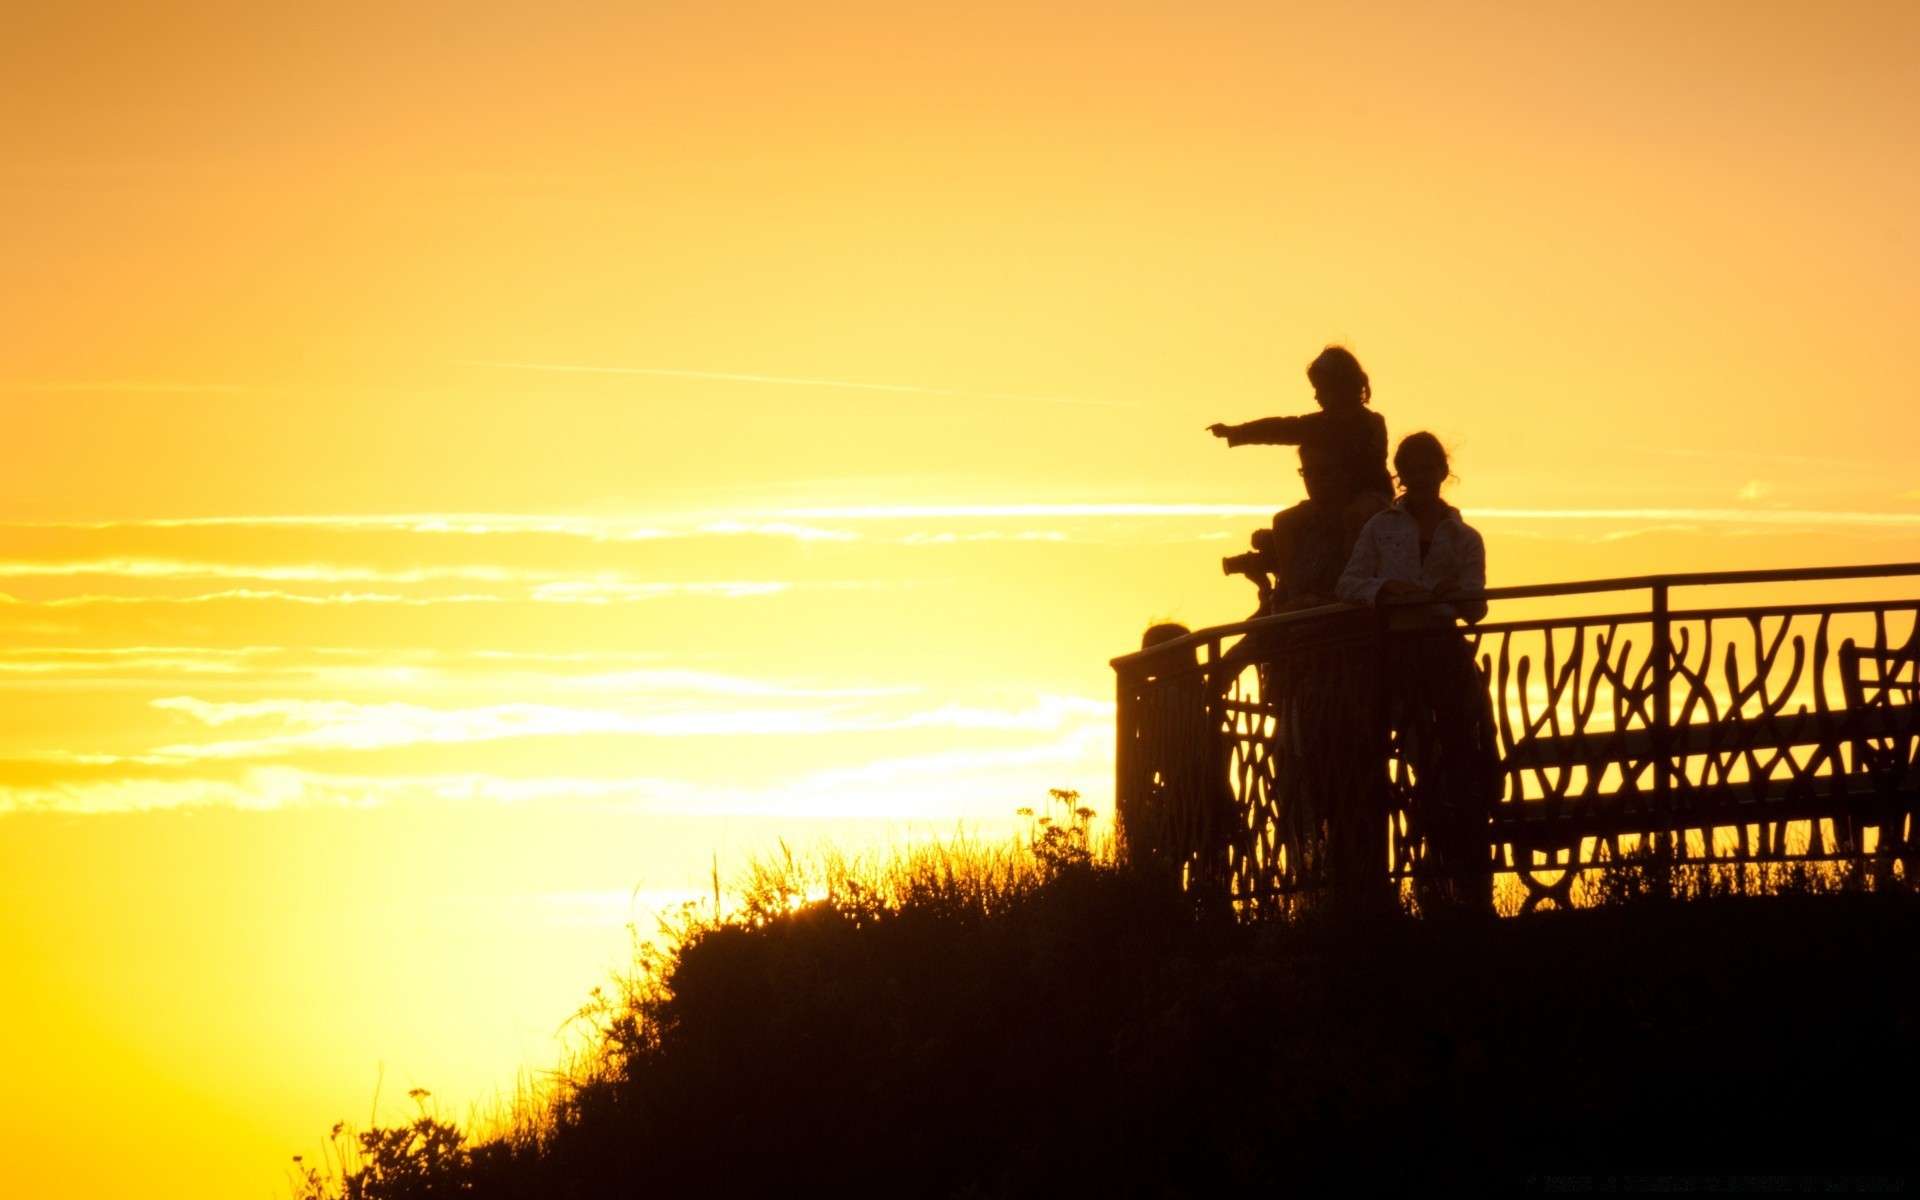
{"x": 1093, "y": 741}
{"x": 911, "y": 512}
{"x": 269, "y": 787}
{"x": 787, "y": 381}
{"x": 605, "y": 591}
{"x": 310, "y": 572}
{"x": 608, "y": 677}
{"x": 121, "y": 660}
{"x": 1707, "y": 516}
{"x": 1027, "y": 535}
{"x": 274, "y": 595}
{"x": 792, "y": 522}
{"x": 985, "y": 783}
{"x": 590, "y": 591}
{"x": 804, "y": 533}
{"x": 302, "y": 726}
{"x": 545, "y": 586}
{"x": 965, "y": 785}
{"x": 710, "y": 683}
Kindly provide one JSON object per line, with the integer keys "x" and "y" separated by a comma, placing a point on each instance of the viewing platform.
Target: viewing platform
{"x": 1266, "y": 760}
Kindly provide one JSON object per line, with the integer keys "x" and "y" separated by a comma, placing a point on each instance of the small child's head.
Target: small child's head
{"x": 1421, "y": 463}
{"x": 1338, "y": 381}
{"x": 1162, "y": 633}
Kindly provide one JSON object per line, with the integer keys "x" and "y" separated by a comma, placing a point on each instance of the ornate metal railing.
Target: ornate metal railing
{"x": 1270, "y": 758}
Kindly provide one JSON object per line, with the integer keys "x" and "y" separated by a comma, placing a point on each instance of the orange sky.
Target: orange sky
{"x": 466, "y": 463}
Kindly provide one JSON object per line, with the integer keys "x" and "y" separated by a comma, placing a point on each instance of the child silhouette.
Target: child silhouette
{"x": 1344, "y": 448}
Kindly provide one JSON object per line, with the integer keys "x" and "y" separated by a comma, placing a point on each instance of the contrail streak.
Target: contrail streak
{"x": 1733, "y": 516}
{"x": 787, "y": 380}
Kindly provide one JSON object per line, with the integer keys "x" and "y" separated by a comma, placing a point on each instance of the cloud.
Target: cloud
{"x": 803, "y": 533}
{"x": 606, "y": 676}
{"x": 306, "y": 726}
{"x": 1066, "y": 741}
{"x": 312, "y": 572}
{"x": 1703, "y": 516}
{"x": 1086, "y": 742}
{"x": 607, "y": 591}
{"x": 945, "y": 539}
{"x": 896, "y": 512}
{"x": 968, "y": 784}
{"x": 983, "y": 784}
{"x": 1707, "y": 516}
{"x": 795, "y": 523}
{"x": 53, "y": 660}
{"x": 709, "y": 683}
{"x": 589, "y": 591}
{"x": 278, "y": 787}
{"x": 273, "y": 594}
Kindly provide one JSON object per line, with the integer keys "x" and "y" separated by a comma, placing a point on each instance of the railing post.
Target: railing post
{"x": 1662, "y": 699}
{"x": 1378, "y": 807}
{"x": 1124, "y": 793}
{"x": 1212, "y": 768}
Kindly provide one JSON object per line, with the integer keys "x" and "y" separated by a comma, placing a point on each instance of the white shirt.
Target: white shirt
{"x": 1389, "y": 548}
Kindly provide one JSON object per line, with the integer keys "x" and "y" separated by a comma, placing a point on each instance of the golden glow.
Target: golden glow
{"x": 463, "y": 466}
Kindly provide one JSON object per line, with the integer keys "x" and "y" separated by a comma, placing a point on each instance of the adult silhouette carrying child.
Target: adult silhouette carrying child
{"x": 1343, "y": 455}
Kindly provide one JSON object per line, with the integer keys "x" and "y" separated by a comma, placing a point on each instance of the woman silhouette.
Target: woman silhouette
{"x": 1415, "y": 556}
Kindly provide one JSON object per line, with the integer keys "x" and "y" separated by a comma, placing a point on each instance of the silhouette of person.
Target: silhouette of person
{"x": 1420, "y": 551}
{"x": 1343, "y": 457}
{"x": 1313, "y": 537}
{"x": 1189, "y": 817}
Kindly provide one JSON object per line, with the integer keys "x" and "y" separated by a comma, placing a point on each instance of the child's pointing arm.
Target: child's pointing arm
{"x": 1267, "y": 431}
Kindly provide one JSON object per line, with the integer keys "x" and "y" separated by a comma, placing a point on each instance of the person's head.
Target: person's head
{"x": 1159, "y": 635}
{"x": 1338, "y": 381}
{"x": 1421, "y": 463}
{"x": 1320, "y": 478}
{"x": 1162, "y": 633}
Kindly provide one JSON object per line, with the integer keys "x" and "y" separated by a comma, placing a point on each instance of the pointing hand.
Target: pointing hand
{"x": 1219, "y": 429}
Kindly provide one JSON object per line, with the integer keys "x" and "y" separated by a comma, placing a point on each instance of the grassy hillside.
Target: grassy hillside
{"x": 1028, "y": 1021}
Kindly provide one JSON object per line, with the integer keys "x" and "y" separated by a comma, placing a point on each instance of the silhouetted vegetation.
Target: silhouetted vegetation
{"x": 1028, "y": 1020}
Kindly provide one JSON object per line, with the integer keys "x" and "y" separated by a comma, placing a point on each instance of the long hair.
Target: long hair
{"x": 1421, "y": 445}
{"x": 1337, "y": 376}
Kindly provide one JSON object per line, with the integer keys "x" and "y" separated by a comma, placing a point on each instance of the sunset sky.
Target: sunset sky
{"x": 472, "y": 469}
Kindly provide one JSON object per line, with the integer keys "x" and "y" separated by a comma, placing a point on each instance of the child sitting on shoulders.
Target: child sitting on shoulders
{"x": 1344, "y": 448}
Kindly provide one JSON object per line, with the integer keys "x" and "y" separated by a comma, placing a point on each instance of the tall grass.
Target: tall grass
{"x": 960, "y": 878}
{"x": 1024, "y": 1018}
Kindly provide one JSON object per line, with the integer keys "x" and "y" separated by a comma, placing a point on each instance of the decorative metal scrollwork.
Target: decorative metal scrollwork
{"x": 1274, "y": 765}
